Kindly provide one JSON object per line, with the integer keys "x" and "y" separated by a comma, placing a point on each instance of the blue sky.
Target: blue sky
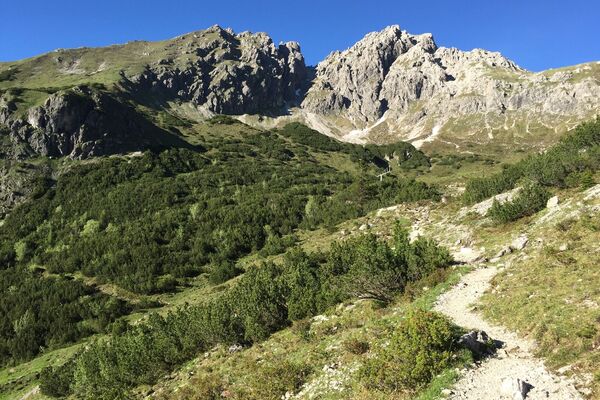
{"x": 537, "y": 34}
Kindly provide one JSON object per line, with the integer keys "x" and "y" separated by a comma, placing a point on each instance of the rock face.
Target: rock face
{"x": 392, "y": 85}
{"x": 389, "y": 86}
{"x": 227, "y": 73}
{"x": 81, "y": 123}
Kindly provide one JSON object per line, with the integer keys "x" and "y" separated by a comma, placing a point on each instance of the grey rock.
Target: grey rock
{"x": 234, "y": 348}
{"x": 519, "y": 243}
{"x": 229, "y": 74}
{"x": 516, "y": 388}
{"x": 478, "y": 342}
{"x": 393, "y": 85}
{"x": 552, "y": 202}
{"x": 84, "y": 122}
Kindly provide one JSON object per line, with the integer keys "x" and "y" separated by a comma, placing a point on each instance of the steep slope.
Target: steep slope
{"x": 224, "y": 72}
{"x": 96, "y": 101}
{"x": 393, "y": 85}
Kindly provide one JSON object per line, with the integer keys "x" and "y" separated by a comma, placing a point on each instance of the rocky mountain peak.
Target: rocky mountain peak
{"x": 351, "y": 81}
{"x": 393, "y": 85}
{"x": 227, "y": 73}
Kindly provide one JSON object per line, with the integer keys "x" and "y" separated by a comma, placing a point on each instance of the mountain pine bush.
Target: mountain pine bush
{"x": 421, "y": 347}
{"x": 531, "y": 199}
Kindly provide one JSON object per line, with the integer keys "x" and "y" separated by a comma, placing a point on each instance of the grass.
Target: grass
{"x": 552, "y": 296}
{"x": 14, "y": 381}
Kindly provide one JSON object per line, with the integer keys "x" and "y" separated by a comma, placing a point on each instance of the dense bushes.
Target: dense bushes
{"x": 422, "y": 346}
{"x": 569, "y": 163}
{"x": 531, "y": 199}
{"x": 145, "y": 222}
{"x": 39, "y": 312}
{"x": 368, "y": 268}
{"x": 265, "y": 299}
{"x": 148, "y": 222}
{"x": 404, "y": 154}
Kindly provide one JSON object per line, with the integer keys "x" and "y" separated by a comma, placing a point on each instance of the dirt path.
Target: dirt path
{"x": 31, "y": 393}
{"x": 498, "y": 377}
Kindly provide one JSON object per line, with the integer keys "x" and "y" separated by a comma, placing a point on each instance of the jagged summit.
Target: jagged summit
{"x": 393, "y": 85}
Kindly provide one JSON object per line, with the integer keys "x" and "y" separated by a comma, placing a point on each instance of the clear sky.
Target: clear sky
{"x": 537, "y": 34}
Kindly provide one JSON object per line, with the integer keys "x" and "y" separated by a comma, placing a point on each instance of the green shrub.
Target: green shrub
{"x": 366, "y": 267}
{"x": 222, "y": 271}
{"x": 276, "y": 244}
{"x": 571, "y": 162}
{"x": 531, "y": 199}
{"x": 274, "y": 380}
{"x": 356, "y": 346}
{"x": 56, "y": 381}
{"x": 204, "y": 387}
{"x": 421, "y": 347}
{"x": 267, "y": 298}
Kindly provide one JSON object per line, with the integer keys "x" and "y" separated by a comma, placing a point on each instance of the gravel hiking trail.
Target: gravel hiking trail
{"x": 500, "y": 376}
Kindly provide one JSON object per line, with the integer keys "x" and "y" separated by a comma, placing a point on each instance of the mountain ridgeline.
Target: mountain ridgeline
{"x": 389, "y": 86}
{"x": 164, "y": 199}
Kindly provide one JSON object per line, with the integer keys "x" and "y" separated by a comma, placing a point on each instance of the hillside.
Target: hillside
{"x": 206, "y": 217}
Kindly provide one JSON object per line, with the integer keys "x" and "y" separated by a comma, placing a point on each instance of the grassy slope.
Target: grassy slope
{"x": 563, "y": 289}
{"x": 552, "y": 293}
{"x": 20, "y": 379}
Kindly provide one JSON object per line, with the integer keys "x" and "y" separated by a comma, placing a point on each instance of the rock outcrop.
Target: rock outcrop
{"x": 393, "y": 86}
{"x": 227, "y": 73}
{"x": 83, "y": 122}
{"x": 389, "y": 86}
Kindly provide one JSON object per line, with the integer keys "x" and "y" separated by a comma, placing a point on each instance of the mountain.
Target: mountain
{"x": 389, "y": 86}
{"x": 170, "y": 228}
{"x": 392, "y": 85}
{"x": 64, "y": 103}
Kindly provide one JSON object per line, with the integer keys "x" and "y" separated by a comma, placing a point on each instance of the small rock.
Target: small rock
{"x": 447, "y": 392}
{"x": 564, "y": 369}
{"x": 363, "y": 227}
{"x": 234, "y": 348}
{"x": 516, "y": 388}
{"x": 466, "y": 255}
{"x": 504, "y": 251}
{"x": 478, "y": 342}
{"x": 552, "y": 202}
{"x": 563, "y": 247}
{"x": 519, "y": 243}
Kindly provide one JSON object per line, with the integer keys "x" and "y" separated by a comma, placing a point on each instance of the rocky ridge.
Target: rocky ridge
{"x": 389, "y": 86}
{"x": 392, "y": 85}
{"x": 228, "y": 73}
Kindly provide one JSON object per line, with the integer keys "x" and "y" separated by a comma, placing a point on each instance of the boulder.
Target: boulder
{"x": 478, "y": 342}
{"x": 519, "y": 243}
{"x": 517, "y": 389}
{"x": 467, "y": 255}
{"x": 552, "y": 202}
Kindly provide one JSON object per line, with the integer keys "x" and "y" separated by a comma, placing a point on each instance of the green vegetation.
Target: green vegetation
{"x": 552, "y": 296}
{"x": 47, "y": 312}
{"x": 133, "y": 221}
{"x": 531, "y": 199}
{"x": 150, "y": 223}
{"x": 421, "y": 347}
{"x": 567, "y": 164}
{"x": 402, "y": 153}
{"x": 265, "y": 299}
